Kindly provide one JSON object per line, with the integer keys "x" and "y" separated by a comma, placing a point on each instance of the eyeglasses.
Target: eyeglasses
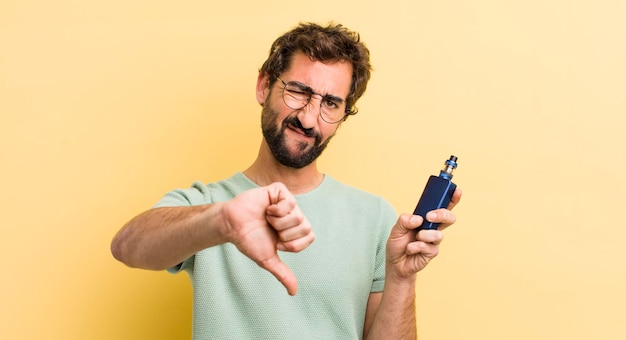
{"x": 297, "y": 95}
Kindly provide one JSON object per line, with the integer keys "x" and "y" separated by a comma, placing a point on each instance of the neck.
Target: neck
{"x": 266, "y": 170}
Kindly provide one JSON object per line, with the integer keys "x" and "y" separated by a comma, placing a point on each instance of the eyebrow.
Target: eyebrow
{"x": 307, "y": 88}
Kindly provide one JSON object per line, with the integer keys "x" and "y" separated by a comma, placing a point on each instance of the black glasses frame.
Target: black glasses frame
{"x": 307, "y": 90}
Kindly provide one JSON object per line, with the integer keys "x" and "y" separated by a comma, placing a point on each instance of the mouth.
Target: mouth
{"x": 295, "y": 126}
{"x": 300, "y": 131}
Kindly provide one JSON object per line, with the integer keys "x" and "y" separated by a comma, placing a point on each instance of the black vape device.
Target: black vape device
{"x": 437, "y": 193}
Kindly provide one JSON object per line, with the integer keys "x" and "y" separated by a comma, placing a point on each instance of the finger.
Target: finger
{"x": 280, "y": 270}
{"x": 441, "y": 216}
{"x": 294, "y": 218}
{"x": 285, "y": 206}
{"x": 409, "y": 222}
{"x": 426, "y": 249}
{"x": 294, "y": 232}
{"x": 456, "y": 198}
{"x": 281, "y": 200}
{"x": 297, "y": 245}
{"x": 405, "y": 224}
{"x": 432, "y": 236}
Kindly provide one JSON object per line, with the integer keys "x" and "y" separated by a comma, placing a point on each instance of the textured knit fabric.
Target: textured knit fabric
{"x": 236, "y": 299}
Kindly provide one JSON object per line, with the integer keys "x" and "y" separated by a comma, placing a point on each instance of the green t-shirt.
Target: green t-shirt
{"x": 236, "y": 299}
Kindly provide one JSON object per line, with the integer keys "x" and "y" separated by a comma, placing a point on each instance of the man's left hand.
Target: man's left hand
{"x": 409, "y": 252}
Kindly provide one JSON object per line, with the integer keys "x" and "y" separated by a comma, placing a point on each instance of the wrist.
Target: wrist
{"x": 211, "y": 225}
{"x": 221, "y": 220}
{"x": 399, "y": 280}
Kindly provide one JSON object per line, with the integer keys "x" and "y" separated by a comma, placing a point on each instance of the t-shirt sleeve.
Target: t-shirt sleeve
{"x": 185, "y": 265}
{"x": 197, "y": 194}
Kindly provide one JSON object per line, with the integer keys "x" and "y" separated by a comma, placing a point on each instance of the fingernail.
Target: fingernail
{"x": 414, "y": 219}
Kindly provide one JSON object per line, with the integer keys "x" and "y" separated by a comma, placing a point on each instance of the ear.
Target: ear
{"x": 262, "y": 87}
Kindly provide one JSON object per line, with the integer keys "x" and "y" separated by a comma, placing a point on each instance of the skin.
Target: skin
{"x": 264, "y": 220}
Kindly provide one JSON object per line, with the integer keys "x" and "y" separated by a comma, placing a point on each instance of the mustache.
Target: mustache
{"x": 295, "y": 123}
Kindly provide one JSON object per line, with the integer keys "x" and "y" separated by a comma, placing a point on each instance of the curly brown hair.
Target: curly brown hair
{"x": 330, "y": 43}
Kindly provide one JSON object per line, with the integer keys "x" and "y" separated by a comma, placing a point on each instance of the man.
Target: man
{"x": 357, "y": 280}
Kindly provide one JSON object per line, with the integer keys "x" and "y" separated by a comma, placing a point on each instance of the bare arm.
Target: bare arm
{"x": 161, "y": 238}
{"x": 372, "y": 307}
{"x": 392, "y": 315}
{"x": 259, "y": 222}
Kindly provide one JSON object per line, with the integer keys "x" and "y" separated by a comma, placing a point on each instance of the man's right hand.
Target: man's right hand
{"x": 263, "y": 220}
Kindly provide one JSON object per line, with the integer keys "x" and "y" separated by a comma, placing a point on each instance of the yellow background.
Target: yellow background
{"x": 107, "y": 105}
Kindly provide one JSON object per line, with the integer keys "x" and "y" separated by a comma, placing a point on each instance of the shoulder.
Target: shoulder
{"x": 205, "y": 193}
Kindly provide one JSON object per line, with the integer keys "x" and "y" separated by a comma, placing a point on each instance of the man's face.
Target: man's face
{"x": 276, "y": 138}
{"x": 297, "y": 137}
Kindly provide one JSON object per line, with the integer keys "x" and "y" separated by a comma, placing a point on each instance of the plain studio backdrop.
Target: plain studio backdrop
{"x": 105, "y": 106}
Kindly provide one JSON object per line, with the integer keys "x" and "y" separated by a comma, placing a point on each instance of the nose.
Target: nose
{"x": 310, "y": 112}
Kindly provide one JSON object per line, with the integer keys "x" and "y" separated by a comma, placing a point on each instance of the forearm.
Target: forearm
{"x": 164, "y": 237}
{"x": 395, "y": 317}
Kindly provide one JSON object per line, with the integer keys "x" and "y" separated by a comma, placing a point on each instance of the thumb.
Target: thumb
{"x": 280, "y": 270}
{"x": 405, "y": 224}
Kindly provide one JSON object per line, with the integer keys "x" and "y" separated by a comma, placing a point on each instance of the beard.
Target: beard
{"x": 276, "y": 140}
